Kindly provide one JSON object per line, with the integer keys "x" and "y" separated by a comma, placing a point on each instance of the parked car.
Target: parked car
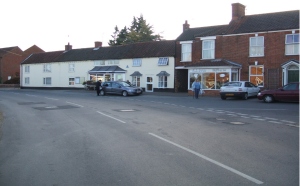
{"x": 241, "y": 89}
{"x": 288, "y": 93}
{"x": 119, "y": 87}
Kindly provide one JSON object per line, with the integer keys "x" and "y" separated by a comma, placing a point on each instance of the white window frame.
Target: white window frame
{"x": 46, "y": 81}
{"x": 47, "y": 67}
{"x": 256, "y": 46}
{"x": 208, "y": 52}
{"x": 186, "y": 51}
{"x": 162, "y": 81}
{"x": 136, "y": 81}
{"x": 292, "y": 48}
{"x": 27, "y": 69}
{"x": 27, "y": 81}
{"x": 71, "y": 81}
{"x": 99, "y": 63}
{"x": 259, "y": 81}
{"x": 71, "y": 67}
{"x": 112, "y": 62}
{"x": 163, "y": 61}
{"x": 137, "y": 62}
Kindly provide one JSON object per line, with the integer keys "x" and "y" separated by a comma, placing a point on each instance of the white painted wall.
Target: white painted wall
{"x": 60, "y": 72}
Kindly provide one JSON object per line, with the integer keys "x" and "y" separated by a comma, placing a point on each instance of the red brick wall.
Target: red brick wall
{"x": 236, "y": 48}
{"x": 11, "y": 64}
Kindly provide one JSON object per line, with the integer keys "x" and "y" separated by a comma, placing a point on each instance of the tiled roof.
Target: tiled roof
{"x": 191, "y": 33}
{"x": 247, "y": 24}
{"x": 4, "y": 51}
{"x": 214, "y": 62}
{"x": 44, "y": 57}
{"x": 136, "y": 50}
{"x": 267, "y": 22}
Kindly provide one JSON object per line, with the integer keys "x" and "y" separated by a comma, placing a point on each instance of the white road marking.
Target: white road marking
{"x": 275, "y": 122}
{"x": 51, "y": 98}
{"x": 210, "y": 160}
{"x": 271, "y": 118}
{"x": 111, "y": 117}
{"x": 31, "y": 95}
{"x": 288, "y": 121}
{"x": 74, "y": 104}
{"x": 244, "y": 117}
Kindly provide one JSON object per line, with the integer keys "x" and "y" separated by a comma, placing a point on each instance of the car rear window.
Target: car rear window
{"x": 233, "y": 84}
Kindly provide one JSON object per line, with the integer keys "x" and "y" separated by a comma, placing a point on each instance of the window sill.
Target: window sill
{"x": 257, "y": 56}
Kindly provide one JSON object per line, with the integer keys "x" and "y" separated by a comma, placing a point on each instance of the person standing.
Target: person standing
{"x": 196, "y": 85}
{"x": 98, "y": 87}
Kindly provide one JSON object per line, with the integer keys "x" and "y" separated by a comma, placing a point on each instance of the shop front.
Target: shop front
{"x": 107, "y": 73}
{"x": 212, "y": 74}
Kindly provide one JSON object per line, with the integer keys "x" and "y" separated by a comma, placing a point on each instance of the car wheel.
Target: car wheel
{"x": 223, "y": 97}
{"x": 102, "y": 93}
{"x": 125, "y": 93}
{"x": 245, "y": 96}
{"x": 268, "y": 99}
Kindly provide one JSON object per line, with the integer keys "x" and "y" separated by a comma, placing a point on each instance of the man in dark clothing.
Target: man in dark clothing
{"x": 98, "y": 87}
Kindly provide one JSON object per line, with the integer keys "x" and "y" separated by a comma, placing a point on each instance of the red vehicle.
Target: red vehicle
{"x": 288, "y": 93}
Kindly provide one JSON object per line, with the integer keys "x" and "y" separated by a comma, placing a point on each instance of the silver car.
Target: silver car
{"x": 241, "y": 89}
{"x": 119, "y": 87}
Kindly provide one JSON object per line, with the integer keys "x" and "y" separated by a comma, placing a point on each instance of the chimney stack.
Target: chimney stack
{"x": 238, "y": 11}
{"x": 98, "y": 44}
{"x": 68, "y": 47}
{"x": 186, "y": 26}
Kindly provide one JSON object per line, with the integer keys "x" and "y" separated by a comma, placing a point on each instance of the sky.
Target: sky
{"x": 52, "y": 24}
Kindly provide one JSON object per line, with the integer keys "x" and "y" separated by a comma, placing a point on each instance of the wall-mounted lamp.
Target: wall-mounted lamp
{"x": 127, "y": 66}
{"x": 256, "y": 62}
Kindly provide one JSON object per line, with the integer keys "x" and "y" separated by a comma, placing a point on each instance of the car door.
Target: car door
{"x": 107, "y": 87}
{"x": 289, "y": 92}
{"x": 254, "y": 88}
{"x": 249, "y": 88}
{"x": 116, "y": 88}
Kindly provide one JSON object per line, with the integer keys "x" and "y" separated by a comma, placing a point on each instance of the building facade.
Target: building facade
{"x": 148, "y": 65}
{"x": 10, "y": 60}
{"x": 262, "y": 49}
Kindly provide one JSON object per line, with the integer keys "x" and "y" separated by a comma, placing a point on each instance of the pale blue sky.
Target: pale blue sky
{"x": 52, "y": 24}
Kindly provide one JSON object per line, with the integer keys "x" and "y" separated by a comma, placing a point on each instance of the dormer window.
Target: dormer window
{"x": 163, "y": 61}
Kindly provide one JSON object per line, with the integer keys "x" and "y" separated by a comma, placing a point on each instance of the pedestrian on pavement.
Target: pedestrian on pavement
{"x": 196, "y": 87}
{"x": 98, "y": 87}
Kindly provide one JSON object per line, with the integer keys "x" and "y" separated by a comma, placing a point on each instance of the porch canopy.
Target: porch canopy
{"x": 106, "y": 69}
{"x": 163, "y": 73}
{"x": 136, "y": 73}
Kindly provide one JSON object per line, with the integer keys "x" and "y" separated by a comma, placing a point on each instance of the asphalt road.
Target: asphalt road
{"x": 76, "y": 138}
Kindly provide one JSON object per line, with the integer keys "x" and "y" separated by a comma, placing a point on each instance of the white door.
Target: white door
{"x": 149, "y": 84}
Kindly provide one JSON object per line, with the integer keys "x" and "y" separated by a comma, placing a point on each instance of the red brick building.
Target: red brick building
{"x": 262, "y": 48}
{"x": 10, "y": 60}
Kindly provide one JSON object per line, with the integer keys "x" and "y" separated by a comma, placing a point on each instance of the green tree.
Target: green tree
{"x": 139, "y": 31}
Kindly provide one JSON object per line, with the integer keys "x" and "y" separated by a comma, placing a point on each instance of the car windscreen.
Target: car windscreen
{"x": 124, "y": 84}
